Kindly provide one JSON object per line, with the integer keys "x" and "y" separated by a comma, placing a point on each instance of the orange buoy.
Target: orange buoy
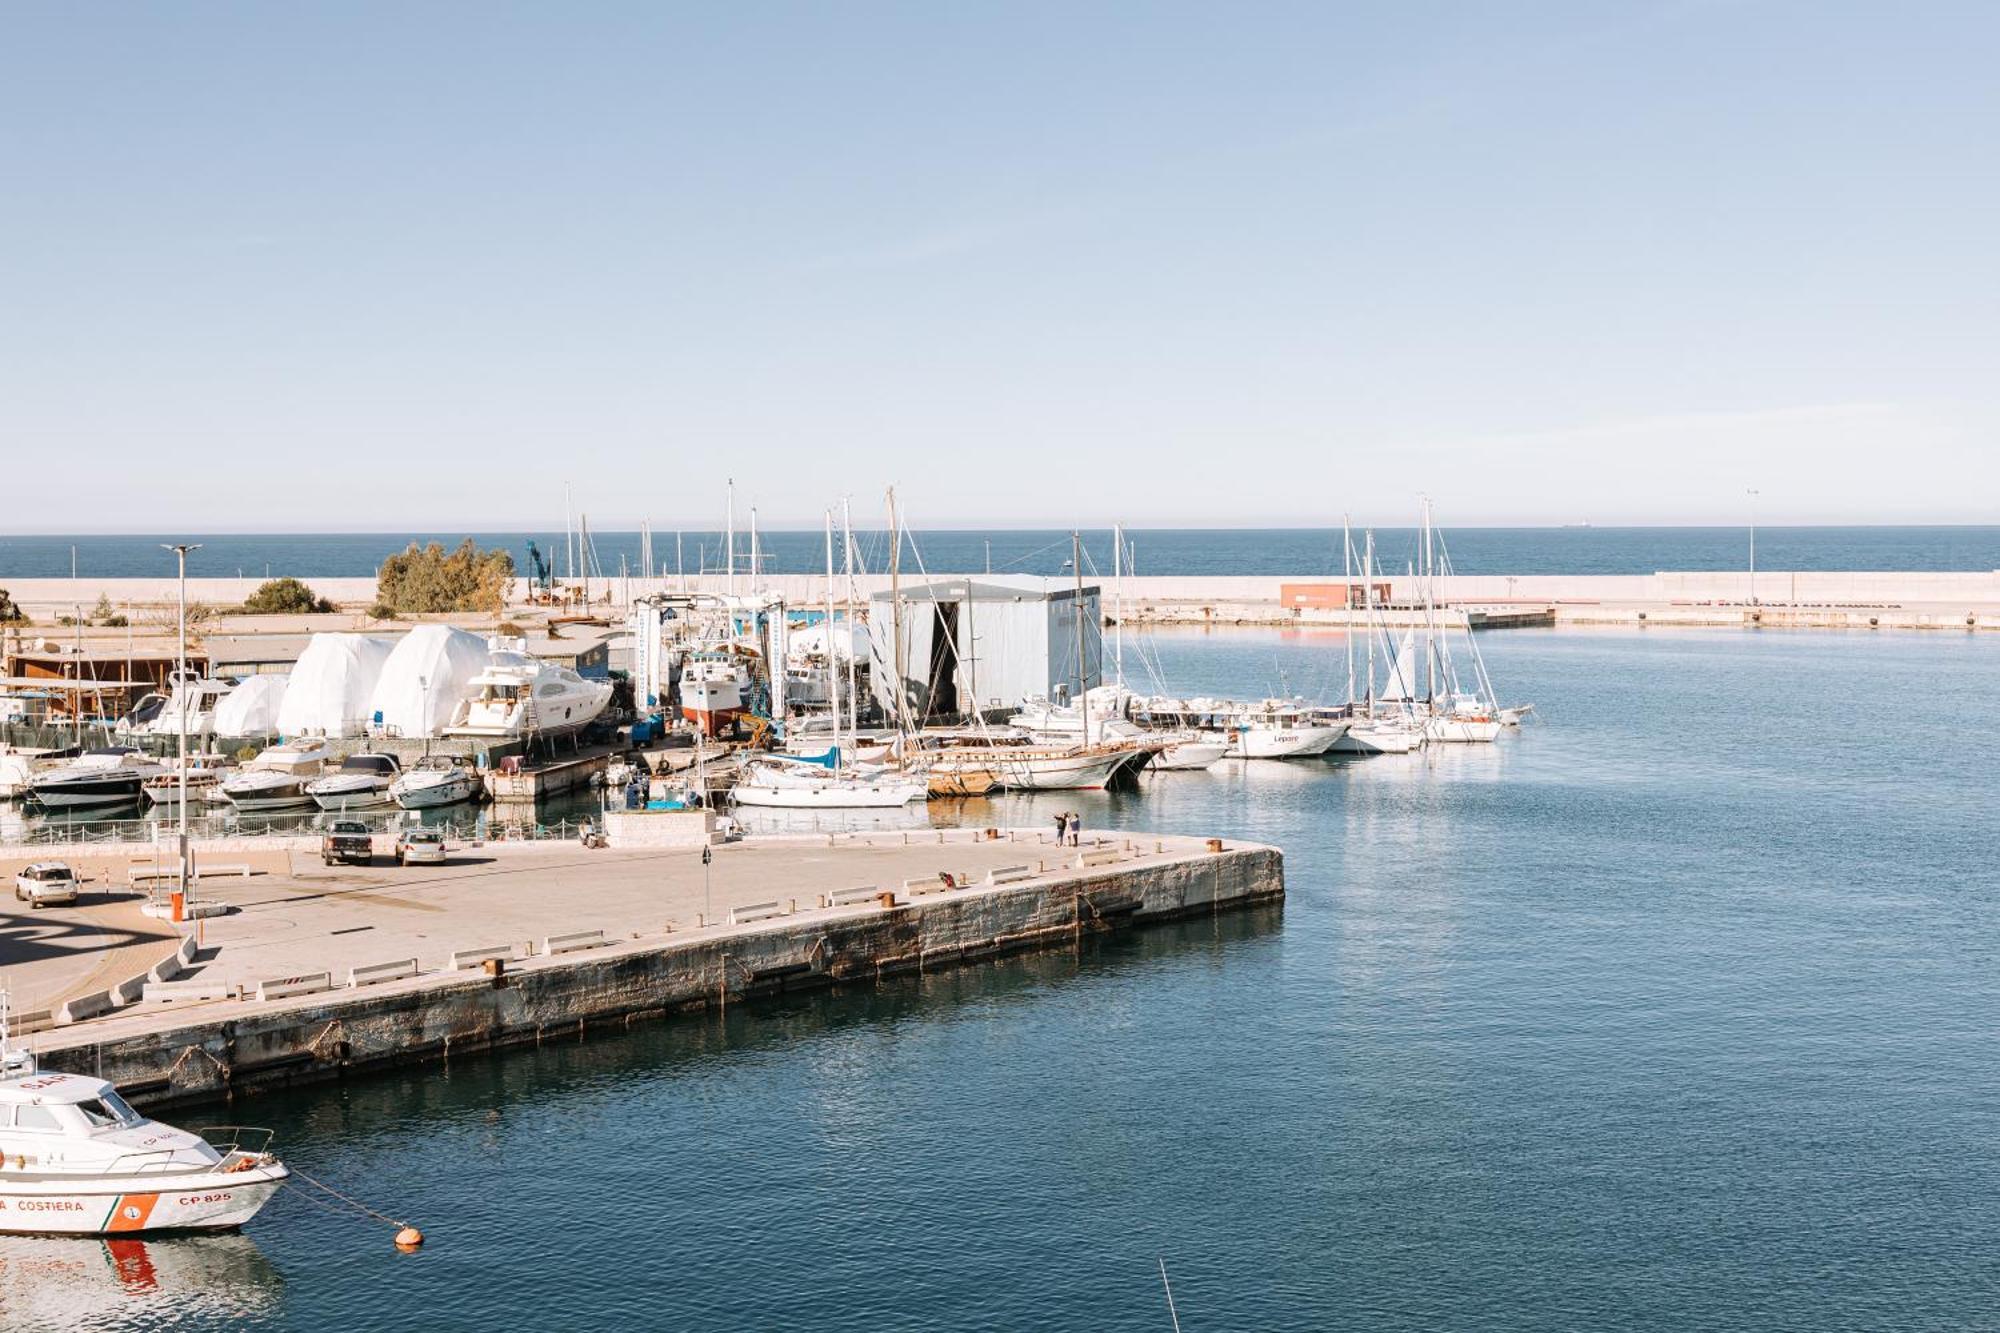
{"x": 409, "y": 1238}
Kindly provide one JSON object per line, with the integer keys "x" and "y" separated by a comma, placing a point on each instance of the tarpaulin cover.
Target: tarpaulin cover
{"x": 333, "y": 686}
{"x": 426, "y": 675}
{"x": 251, "y": 709}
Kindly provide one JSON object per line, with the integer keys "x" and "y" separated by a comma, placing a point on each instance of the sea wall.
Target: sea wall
{"x": 180, "y": 1059}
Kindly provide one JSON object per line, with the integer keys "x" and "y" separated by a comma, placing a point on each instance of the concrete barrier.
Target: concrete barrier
{"x": 582, "y": 939}
{"x": 278, "y": 988}
{"x": 464, "y": 958}
{"x": 755, "y": 912}
{"x": 371, "y": 973}
{"x": 866, "y": 893}
{"x": 174, "y": 963}
{"x": 34, "y": 1020}
{"x": 191, "y": 990}
{"x": 1099, "y": 856}
{"x": 85, "y": 1006}
{"x": 238, "y": 869}
{"x": 130, "y": 990}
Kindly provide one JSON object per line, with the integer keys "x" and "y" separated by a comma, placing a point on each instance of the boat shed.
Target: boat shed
{"x": 985, "y": 644}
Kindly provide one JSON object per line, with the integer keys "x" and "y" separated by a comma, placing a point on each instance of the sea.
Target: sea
{"x": 1679, "y": 1009}
{"x": 1182, "y": 551}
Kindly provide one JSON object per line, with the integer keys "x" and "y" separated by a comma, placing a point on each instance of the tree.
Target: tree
{"x": 10, "y": 612}
{"x": 166, "y": 620}
{"x": 285, "y": 597}
{"x": 107, "y": 615}
{"x": 428, "y": 579}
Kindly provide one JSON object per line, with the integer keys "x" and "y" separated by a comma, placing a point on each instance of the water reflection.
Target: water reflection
{"x": 85, "y": 1282}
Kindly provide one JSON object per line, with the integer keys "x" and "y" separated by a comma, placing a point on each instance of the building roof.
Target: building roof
{"x": 992, "y": 588}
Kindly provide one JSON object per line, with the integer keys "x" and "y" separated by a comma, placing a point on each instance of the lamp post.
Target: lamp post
{"x": 181, "y": 551}
{"x": 1752, "y": 493}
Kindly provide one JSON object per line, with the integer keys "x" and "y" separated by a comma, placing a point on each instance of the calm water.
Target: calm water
{"x": 1175, "y": 551}
{"x": 1678, "y": 1011}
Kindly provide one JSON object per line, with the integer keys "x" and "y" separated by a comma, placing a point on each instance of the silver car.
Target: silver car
{"x": 45, "y": 883}
{"x": 420, "y": 846}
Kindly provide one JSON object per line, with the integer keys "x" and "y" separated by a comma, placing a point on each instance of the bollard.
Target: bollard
{"x": 495, "y": 967}
{"x": 1215, "y": 844}
{"x": 886, "y": 899}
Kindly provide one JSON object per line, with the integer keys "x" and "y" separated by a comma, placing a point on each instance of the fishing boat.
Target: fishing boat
{"x": 716, "y": 685}
{"x": 433, "y": 781}
{"x": 113, "y": 775}
{"x": 276, "y": 779}
{"x": 519, "y": 695}
{"x": 79, "y": 1161}
{"x": 361, "y": 780}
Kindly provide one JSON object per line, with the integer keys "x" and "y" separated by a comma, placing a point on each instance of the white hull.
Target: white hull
{"x": 1085, "y": 771}
{"x": 360, "y": 795}
{"x": 1461, "y": 730}
{"x": 283, "y": 793}
{"x": 79, "y": 797}
{"x": 1284, "y": 742}
{"x": 1364, "y": 738}
{"x": 834, "y": 794}
{"x": 1190, "y": 756}
{"x": 136, "y": 1205}
{"x": 435, "y": 790}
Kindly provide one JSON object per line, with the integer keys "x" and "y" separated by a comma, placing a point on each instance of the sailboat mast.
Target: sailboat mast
{"x": 896, "y": 619}
{"x": 832, "y": 666}
{"x": 756, "y": 555}
{"x": 1430, "y": 613}
{"x": 729, "y": 540}
{"x": 1368, "y": 609}
{"x": 569, "y": 536}
{"x": 1082, "y": 677}
{"x": 1118, "y": 595}
{"x": 1347, "y": 597}
{"x": 853, "y": 677}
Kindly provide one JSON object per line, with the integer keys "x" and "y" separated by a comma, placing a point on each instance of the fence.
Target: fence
{"x": 478, "y": 829}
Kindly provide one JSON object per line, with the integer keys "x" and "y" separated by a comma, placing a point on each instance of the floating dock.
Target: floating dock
{"x": 317, "y": 974}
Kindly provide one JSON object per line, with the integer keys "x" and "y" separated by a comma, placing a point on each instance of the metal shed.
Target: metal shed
{"x": 986, "y": 643}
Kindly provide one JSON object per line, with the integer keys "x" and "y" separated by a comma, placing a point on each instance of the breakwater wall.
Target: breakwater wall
{"x": 212, "y": 1052}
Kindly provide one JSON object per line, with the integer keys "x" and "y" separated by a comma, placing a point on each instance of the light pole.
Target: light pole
{"x": 1752, "y": 493}
{"x": 180, "y": 684}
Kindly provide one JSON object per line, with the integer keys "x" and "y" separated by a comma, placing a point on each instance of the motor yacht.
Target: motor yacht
{"x": 361, "y": 780}
{"x": 277, "y": 778}
{"x": 159, "y": 714}
{"x": 205, "y": 775}
{"x": 435, "y": 780}
{"x": 79, "y": 1161}
{"x": 109, "y": 776}
{"x": 520, "y": 695}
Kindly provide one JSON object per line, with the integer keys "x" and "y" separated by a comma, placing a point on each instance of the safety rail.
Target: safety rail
{"x": 129, "y": 831}
{"x": 250, "y": 1140}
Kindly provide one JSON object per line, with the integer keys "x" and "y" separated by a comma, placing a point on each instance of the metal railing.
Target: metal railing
{"x": 163, "y": 832}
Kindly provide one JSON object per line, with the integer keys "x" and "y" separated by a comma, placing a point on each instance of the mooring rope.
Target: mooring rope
{"x": 356, "y": 1204}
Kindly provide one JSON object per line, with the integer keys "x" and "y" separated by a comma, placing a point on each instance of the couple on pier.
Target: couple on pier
{"x": 1068, "y": 826}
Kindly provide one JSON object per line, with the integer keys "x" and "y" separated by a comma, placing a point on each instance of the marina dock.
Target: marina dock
{"x": 316, "y": 973}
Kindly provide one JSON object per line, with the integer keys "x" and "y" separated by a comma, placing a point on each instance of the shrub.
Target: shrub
{"x": 428, "y": 579}
{"x": 285, "y": 597}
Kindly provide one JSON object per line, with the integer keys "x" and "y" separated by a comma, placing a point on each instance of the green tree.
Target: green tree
{"x": 429, "y": 579}
{"x": 285, "y": 597}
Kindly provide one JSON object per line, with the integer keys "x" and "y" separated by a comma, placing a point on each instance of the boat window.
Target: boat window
{"x": 547, "y": 690}
{"x": 102, "y": 1116}
{"x": 37, "y": 1118}
{"x": 119, "y": 1107}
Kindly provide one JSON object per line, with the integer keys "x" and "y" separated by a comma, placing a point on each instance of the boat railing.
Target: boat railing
{"x": 234, "y": 1140}
{"x": 157, "y": 1161}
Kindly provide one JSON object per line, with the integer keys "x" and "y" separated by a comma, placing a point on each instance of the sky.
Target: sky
{"x": 360, "y": 265}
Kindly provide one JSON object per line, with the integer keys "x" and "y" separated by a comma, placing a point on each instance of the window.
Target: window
{"x": 102, "y": 1114}
{"x": 37, "y": 1118}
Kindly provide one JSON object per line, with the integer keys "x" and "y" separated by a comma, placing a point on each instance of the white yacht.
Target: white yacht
{"x": 205, "y": 775}
{"x": 110, "y": 776}
{"x": 798, "y": 784}
{"x": 1174, "y": 751}
{"x": 79, "y": 1161}
{"x": 277, "y": 778}
{"x": 361, "y": 780}
{"x": 159, "y": 714}
{"x": 1279, "y": 729}
{"x": 519, "y": 695}
{"x": 435, "y": 780}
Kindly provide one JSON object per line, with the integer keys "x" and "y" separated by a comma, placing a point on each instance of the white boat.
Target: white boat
{"x": 18, "y": 766}
{"x": 205, "y": 775}
{"x": 520, "y": 695}
{"x": 1514, "y": 715}
{"x": 361, "y": 780}
{"x": 158, "y": 714}
{"x": 784, "y": 783}
{"x": 277, "y": 778}
{"x": 1280, "y": 729}
{"x": 1027, "y": 766}
{"x": 110, "y": 776}
{"x": 715, "y": 689}
{"x": 1384, "y": 734}
{"x": 1461, "y": 720}
{"x": 435, "y": 780}
{"x": 80, "y": 1162}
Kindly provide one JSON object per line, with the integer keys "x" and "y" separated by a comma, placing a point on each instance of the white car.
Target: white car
{"x": 46, "y": 882}
{"x": 420, "y": 846}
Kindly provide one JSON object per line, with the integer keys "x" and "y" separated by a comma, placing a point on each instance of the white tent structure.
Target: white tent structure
{"x": 333, "y": 686}
{"x": 428, "y": 672}
{"x": 849, "y": 639}
{"x": 251, "y": 709}
{"x": 986, "y": 643}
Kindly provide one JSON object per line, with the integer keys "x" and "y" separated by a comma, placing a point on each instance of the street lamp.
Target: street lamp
{"x": 1752, "y": 493}
{"x": 181, "y": 550}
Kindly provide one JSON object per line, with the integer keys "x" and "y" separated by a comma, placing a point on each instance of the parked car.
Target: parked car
{"x": 420, "y": 846}
{"x": 45, "y": 883}
{"x": 347, "y": 840}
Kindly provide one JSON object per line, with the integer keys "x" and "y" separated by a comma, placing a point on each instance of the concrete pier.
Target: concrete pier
{"x": 318, "y": 973}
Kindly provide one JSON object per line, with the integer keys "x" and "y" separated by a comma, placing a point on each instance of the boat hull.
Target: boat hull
{"x": 205, "y": 1201}
{"x": 358, "y": 797}
{"x": 459, "y": 787}
{"x": 286, "y": 796}
{"x": 1462, "y": 730}
{"x": 111, "y": 789}
{"x": 884, "y": 796}
{"x": 1190, "y": 756}
{"x": 1285, "y": 742}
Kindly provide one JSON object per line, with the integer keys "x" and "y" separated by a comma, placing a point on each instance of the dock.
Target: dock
{"x": 314, "y": 974}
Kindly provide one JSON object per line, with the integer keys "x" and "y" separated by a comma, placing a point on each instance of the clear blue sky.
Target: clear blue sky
{"x": 363, "y": 265}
